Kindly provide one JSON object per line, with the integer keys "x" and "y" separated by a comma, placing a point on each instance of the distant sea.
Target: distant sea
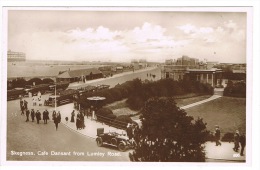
{"x": 42, "y": 69}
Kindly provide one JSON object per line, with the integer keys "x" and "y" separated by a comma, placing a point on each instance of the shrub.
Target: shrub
{"x": 105, "y": 115}
{"x": 237, "y": 89}
{"x": 210, "y": 137}
{"x": 104, "y": 111}
{"x": 122, "y": 121}
{"x": 228, "y": 137}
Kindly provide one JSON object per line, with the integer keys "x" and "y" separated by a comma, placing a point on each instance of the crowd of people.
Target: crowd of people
{"x": 56, "y": 117}
{"x": 239, "y": 140}
{"x": 80, "y": 122}
{"x": 132, "y": 131}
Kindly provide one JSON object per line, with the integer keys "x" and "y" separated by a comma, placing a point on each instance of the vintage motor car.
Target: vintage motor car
{"x": 120, "y": 141}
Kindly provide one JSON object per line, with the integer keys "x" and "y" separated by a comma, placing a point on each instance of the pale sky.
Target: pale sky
{"x": 125, "y": 35}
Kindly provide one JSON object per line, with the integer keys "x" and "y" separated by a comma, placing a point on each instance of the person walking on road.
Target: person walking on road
{"x": 32, "y": 115}
{"x": 27, "y": 112}
{"x": 53, "y": 114}
{"x": 242, "y": 140}
{"x": 25, "y": 103}
{"x": 23, "y": 110}
{"x": 21, "y": 104}
{"x": 217, "y": 135}
{"x": 45, "y": 116}
{"x": 57, "y": 120}
{"x": 38, "y": 116}
{"x": 236, "y": 141}
{"x": 72, "y": 116}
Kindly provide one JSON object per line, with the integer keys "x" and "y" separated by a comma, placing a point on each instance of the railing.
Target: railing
{"x": 112, "y": 122}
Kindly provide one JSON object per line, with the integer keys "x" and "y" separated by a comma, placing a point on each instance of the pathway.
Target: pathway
{"x": 201, "y": 102}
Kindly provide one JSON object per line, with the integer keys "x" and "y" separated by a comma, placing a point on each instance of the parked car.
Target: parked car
{"x": 120, "y": 141}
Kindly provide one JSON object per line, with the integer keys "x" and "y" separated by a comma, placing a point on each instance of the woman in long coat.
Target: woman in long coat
{"x": 78, "y": 122}
{"x": 72, "y": 116}
{"x": 53, "y": 114}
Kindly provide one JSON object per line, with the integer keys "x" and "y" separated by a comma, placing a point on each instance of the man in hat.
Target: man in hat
{"x": 32, "y": 114}
{"x": 217, "y": 135}
{"x": 242, "y": 141}
{"x": 236, "y": 141}
{"x": 45, "y": 116}
{"x": 38, "y": 116}
{"x": 27, "y": 112}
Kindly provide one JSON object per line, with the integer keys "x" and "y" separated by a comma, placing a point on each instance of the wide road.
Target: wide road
{"x": 43, "y": 138}
{"x": 144, "y": 74}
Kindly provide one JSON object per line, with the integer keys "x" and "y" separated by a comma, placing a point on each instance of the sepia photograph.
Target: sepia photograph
{"x": 128, "y": 84}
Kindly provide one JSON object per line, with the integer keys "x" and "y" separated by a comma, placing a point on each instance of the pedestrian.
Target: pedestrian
{"x": 38, "y": 116}
{"x": 78, "y": 122}
{"x": 66, "y": 118}
{"x": 21, "y": 104}
{"x": 33, "y": 100}
{"x": 23, "y": 109}
{"x": 40, "y": 101}
{"x": 53, "y": 114}
{"x": 25, "y": 103}
{"x": 129, "y": 131}
{"x": 72, "y": 116}
{"x": 242, "y": 140}
{"x": 32, "y": 115}
{"x": 217, "y": 135}
{"x": 82, "y": 121}
{"x": 236, "y": 141}
{"x": 27, "y": 112}
{"x": 57, "y": 120}
{"x": 45, "y": 116}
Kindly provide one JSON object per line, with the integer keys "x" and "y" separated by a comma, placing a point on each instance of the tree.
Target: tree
{"x": 47, "y": 81}
{"x": 37, "y": 81}
{"x": 168, "y": 134}
{"x": 19, "y": 82}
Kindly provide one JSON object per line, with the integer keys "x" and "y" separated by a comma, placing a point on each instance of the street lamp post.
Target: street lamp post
{"x": 55, "y": 98}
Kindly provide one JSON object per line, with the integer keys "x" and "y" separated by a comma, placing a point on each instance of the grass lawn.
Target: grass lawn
{"x": 227, "y": 112}
{"x": 121, "y": 108}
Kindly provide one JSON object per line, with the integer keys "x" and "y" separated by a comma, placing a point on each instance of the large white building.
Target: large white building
{"x": 15, "y": 56}
{"x": 191, "y": 69}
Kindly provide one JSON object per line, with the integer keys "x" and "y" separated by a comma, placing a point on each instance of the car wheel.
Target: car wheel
{"x": 99, "y": 141}
{"x": 122, "y": 146}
